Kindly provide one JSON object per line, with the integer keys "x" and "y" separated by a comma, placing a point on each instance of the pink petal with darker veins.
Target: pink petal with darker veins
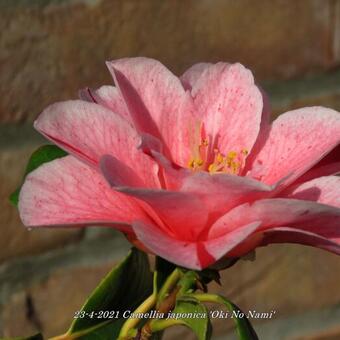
{"x": 158, "y": 103}
{"x": 67, "y": 192}
{"x": 107, "y": 96}
{"x": 194, "y": 255}
{"x": 297, "y": 141}
{"x": 182, "y": 213}
{"x": 222, "y": 192}
{"x": 329, "y": 165}
{"x": 313, "y": 217}
{"x": 89, "y": 131}
{"x": 230, "y": 106}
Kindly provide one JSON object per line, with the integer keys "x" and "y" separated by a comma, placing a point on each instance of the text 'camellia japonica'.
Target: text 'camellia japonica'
{"x": 189, "y": 168}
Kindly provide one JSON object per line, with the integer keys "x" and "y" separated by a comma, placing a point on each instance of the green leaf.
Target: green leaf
{"x": 44, "y": 154}
{"x": 164, "y": 269}
{"x": 124, "y": 288}
{"x": 195, "y": 316}
{"x": 104, "y": 331}
{"x": 244, "y": 328}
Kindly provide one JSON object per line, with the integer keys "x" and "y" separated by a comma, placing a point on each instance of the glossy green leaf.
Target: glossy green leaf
{"x": 44, "y": 154}
{"x": 105, "y": 331}
{"x": 123, "y": 289}
{"x": 195, "y": 316}
{"x": 244, "y": 328}
{"x": 164, "y": 269}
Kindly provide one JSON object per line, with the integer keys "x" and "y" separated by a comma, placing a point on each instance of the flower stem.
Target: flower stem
{"x": 168, "y": 285}
{"x": 159, "y": 325}
{"x": 205, "y": 297}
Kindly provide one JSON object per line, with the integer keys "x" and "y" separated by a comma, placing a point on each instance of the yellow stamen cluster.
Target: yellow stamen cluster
{"x": 228, "y": 163}
{"x": 231, "y": 163}
{"x": 200, "y": 155}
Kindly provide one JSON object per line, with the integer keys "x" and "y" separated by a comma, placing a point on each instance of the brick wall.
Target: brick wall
{"x": 49, "y": 49}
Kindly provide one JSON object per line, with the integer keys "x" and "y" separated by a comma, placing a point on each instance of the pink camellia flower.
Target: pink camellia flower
{"x": 189, "y": 168}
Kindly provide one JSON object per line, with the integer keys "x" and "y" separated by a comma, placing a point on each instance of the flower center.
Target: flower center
{"x": 215, "y": 161}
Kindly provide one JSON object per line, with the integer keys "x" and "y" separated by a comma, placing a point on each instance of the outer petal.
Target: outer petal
{"x": 89, "y": 131}
{"x": 325, "y": 190}
{"x": 297, "y": 140}
{"x": 157, "y": 102}
{"x": 291, "y": 235}
{"x": 329, "y": 165}
{"x": 320, "y": 219}
{"x": 230, "y": 105}
{"x": 67, "y": 191}
{"x": 194, "y": 255}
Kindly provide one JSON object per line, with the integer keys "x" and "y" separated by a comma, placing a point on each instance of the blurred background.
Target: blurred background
{"x": 50, "y": 49}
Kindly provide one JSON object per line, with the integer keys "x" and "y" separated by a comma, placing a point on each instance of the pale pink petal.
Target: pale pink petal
{"x": 325, "y": 190}
{"x": 157, "y": 102}
{"x": 230, "y": 106}
{"x": 193, "y": 73}
{"x": 149, "y": 143}
{"x": 193, "y": 255}
{"x": 109, "y": 97}
{"x": 89, "y": 131}
{"x": 297, "y": 140}
{"x": 183, "y": 213}
{"x": 291, "y": 235}
{"x": 310, "y": 216}
{"x": 221, "y": 192}
{"x": 329, "y": 165}
{"x": 265, "y": 127}
{"x": 119, "y": 174}
{"x": 172, "y": 175}
{"x": 68, "y": 192}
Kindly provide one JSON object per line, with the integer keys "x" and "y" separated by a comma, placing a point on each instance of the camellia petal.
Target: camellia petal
{"x": 89, "y": 131}
{"x": 107, "y": 96}
{"x": 195, "y": 255}
{"x": 221, "y": 192}
{"x": 230, "y": 107}
{"x": 283, "y": 212}
{"x": 158, "y": 103}
{"x": 192, "y": 74}
{"x": 329, "y": 165}
{"x": 68, "y": 192}
{"x": 297, "y": 140}
{"x": 291, "y": 235}
{"x": 323, "y": 190}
